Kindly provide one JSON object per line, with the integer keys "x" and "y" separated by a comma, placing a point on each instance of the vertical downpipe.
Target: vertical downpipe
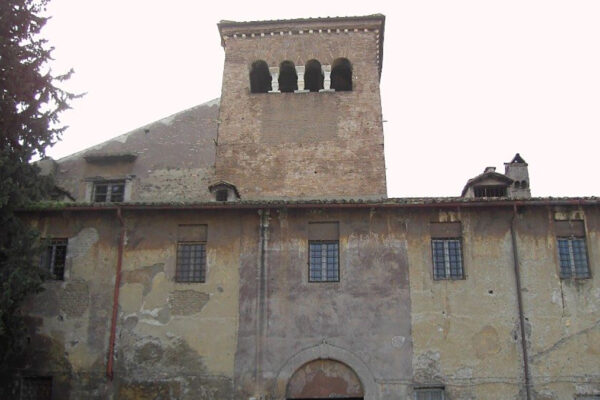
{"x": 520, "y": 302}
{"x": 260, "y": 296}
{"x": 115, "y": 310}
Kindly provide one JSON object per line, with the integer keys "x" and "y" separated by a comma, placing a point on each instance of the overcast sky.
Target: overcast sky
{"x": 465, "y": 84}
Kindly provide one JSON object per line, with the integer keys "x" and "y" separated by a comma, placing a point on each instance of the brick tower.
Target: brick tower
{"x": 300, "y": 114}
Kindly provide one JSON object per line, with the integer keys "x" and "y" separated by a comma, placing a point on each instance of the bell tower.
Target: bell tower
{"x": 300, "y": 114}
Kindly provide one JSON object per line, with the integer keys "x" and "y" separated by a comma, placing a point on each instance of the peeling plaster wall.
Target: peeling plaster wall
{"x": 69, "y": 321}
{"x": 563, "y": 315}
{"x": 174, "y": 340}
{"x": 466, "y": 333}
{"x": 365, "y": 316}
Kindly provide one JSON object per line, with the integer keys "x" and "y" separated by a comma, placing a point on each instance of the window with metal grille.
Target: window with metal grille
{"x": 429, "y": 394}
{"x": 572, "y": 253}
{"x": 222, "y": 194}
{"x": 106, "y": 192}
{"x": 191, "y": 262}
{"x": 36, "y": 388}
{"x": 54, "y": 258}
{"x": 324, "y": 263}
{"x": 447, "y": 259}
{"x": 490, "y": 191}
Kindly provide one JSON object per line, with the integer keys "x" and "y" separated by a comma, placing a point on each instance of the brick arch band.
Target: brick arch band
{"x": 325, "y": 351}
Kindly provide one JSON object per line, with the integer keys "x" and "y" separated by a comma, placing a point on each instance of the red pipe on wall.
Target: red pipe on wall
{"x": 115, "y": 310}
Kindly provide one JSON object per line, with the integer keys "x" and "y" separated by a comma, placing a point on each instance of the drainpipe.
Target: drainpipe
{"x": 260, "y": 296}
{"x": 115, "y": 310}
{"x": 520, "y": 302}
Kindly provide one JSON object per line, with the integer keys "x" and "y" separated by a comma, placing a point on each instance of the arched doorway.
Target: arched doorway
{"x": 324, "y": 379}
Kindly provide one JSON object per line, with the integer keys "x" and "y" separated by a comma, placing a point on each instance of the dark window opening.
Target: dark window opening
{"x": 313, "y": 76}
{"x": 524, "y": 184}
{"x": 490, "y": 191}
{"x": 341, "y": 75}
{"x": 36, "y": 388}
{"x": 191, "y": 262}
{"x": 54, "y": 258}
{"x": 447, "y": 259}
{"x": 222, "y": 194}
{"x": 288, "y": 78}
{"x": 572, "y": 253}
{"x": 109, "y": 192}
{"x": 429, "y": 394}
{"x": 260, "y": 78}
{"x": 324, "y": 263}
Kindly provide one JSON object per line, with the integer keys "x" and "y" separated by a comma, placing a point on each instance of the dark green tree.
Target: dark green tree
{"x": 30, "y": 105}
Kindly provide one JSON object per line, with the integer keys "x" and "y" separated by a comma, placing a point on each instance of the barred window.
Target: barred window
{"x": 447, "y": 259}
{"x": 429, "y": 394}
{"x": 191, "y": 262}
{"x": 54, "y": 258}
{"x": 324, "y": 263}
{"x": 572, "y": 253}
{"x": 109, "y": 192}
{"x": 36, "y": 388}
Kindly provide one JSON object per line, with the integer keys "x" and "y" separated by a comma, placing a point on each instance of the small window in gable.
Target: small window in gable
{"x": 224, "y": 191}
{"x": 260, "y": 78}
{"x": 490, "y": 191}
{"x": 288, "y": 78}
{"x": 341, "y": 75}
{"x": 108, "y": 191}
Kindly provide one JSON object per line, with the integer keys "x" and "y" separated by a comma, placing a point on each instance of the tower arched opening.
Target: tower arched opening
{"x": 288, "y": 78}
{"x": 341, "y": 75}
{"x": 260, "y": 78}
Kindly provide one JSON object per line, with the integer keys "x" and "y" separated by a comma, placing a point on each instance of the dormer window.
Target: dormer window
{"x": 224, "y": 191}
{"x": 106, "y": 192}
{"x": 222, "y": 194}
{"x": 490, "y": 191}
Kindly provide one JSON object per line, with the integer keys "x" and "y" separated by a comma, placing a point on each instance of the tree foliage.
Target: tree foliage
{"x": 30, "y": 104}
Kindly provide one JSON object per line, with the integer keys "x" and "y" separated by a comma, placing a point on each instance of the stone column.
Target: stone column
{"x": 327, "y": 79}
{"x": 300, "y": 73}
{"x": 274, "y": 79}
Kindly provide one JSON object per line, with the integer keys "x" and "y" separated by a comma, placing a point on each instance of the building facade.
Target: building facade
{"x": 246, "y": 249}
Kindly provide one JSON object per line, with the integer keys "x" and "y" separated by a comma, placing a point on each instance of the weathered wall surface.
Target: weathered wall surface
{"x": 466, "y": 333}
{"x": 69, "y": 321}
{"x": 175, "y": 159}
{"x": 174, "y": 340}
{"x": 363, "y": 320}
{"x": 302, "y": 145}
{"x": 562, "y": 315}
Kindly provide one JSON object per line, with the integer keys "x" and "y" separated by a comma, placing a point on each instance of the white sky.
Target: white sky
{"x": 465, "y": 85}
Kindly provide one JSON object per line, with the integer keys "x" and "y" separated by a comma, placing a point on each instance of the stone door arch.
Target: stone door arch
{"x": 325, "y": 351}
{"x": 324, "y": 379}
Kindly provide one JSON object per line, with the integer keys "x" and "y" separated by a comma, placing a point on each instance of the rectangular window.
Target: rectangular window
{"x": 54, "y": 258}
{"x": 490, "y": 191}
{"x": 106, "y": 192}
{"x": 572, "y": 253}
{"x": 429, "y": 394}
{"x": 191, "y": 262}
{"x": 324, "y": 261}
{"x": 447, "y": 259}
{"x": 36, "y": 388}
{"x": 323, "y": 252}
